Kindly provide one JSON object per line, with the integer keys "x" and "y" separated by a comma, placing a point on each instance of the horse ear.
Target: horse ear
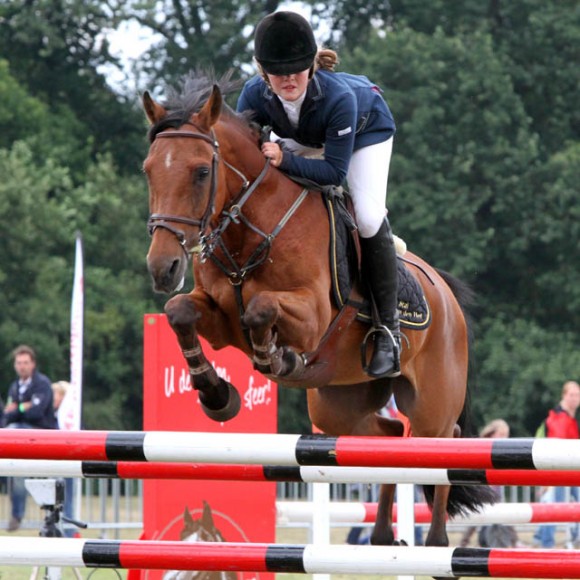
{"x": 212, "y": 109}
{"x": 207, "y": 517}
{"x": 154, "y": 111}
{"x": 187, "y": 519}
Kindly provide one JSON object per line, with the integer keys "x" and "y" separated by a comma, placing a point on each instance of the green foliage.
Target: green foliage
{"x": 56, "y": 134}
{"x": 54, "y": 49}
{"x": 521, "y": 368}
{"x": 462, "y": 139}
{"x": 541, "y": 39}
{"x": 36, "y": 274}
{"x": 207, "y": 33}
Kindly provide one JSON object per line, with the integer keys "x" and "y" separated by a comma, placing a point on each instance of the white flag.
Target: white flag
{"x": 69, "y": 412}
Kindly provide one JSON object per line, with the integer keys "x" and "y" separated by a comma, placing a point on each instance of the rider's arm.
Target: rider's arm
{"x": 338, "y": 147}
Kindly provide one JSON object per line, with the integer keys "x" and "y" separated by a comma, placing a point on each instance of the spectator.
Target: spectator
{"x": 28, "y": 406}
{"x": 59, "y": 391}
{"x": 560, "y": 423}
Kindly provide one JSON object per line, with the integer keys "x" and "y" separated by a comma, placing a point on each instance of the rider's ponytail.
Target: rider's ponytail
{"x": 326, "y": 59}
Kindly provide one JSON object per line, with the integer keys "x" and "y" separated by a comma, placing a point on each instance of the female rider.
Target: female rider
{"x": 332, "y": 126}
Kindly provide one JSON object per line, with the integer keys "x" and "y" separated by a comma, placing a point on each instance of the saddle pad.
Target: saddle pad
{"x": 413, "y": 308}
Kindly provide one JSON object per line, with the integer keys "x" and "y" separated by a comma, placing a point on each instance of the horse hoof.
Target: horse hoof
{"x": 231, "y": 409}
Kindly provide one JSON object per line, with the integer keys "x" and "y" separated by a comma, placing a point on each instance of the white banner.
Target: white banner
{"x": 69, "y": 413}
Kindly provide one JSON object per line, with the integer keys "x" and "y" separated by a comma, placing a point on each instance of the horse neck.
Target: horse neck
{"x": 240, "y": 152}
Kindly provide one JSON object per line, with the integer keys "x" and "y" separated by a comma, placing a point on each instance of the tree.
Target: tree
{"x": 55, "y": 48}
{"x": 462, "y": 139}
{"x": 44, "y": 209}
{"x": 540, "y": 41}
{"x": 58, "y": 135}
{"x": 521, "y": 368}
{"x": 206, "y": 34}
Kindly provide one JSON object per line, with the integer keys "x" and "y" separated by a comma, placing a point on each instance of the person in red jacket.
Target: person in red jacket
{"x": 561, "y": 424}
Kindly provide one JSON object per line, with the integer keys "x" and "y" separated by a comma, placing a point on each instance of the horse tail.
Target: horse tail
{"x": 464, "y": 498}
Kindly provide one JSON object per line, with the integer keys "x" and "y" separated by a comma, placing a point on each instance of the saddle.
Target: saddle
{"x": 349, "y": 290}
{"x": 344, "y": 250}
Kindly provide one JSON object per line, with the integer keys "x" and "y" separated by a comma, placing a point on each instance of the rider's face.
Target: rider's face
{"x": 289, "y": 87}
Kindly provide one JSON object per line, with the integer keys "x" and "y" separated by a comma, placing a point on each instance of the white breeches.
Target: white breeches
{"x": 367, "y": 177}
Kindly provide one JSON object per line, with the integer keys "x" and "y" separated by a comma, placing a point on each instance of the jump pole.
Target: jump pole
{"x": 501, "y": 513}
{"x": 298, "y": 559}
{"x": 290, "y": 450}
{"x": 304, "y": 473}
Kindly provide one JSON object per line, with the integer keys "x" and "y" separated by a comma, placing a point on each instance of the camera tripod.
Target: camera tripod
{"x": 49, "y": 495}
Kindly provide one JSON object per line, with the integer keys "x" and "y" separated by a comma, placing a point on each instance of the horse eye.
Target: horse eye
{"x": 201, "y": 174}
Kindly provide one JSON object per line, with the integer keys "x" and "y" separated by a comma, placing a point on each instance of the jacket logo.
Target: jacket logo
{"x": 345, "y": 131}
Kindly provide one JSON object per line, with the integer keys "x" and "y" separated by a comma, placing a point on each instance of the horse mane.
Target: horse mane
{"x": 190, "y": 95}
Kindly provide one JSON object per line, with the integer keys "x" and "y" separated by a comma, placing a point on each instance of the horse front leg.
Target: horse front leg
{"x": 267, "y": 314}
{"x": 219, "y": 399}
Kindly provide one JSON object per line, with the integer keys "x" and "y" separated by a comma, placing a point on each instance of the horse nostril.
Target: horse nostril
{"x": 174, "y": 267}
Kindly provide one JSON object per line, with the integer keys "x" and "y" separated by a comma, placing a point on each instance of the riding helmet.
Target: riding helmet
{"x": 284, "y": 43}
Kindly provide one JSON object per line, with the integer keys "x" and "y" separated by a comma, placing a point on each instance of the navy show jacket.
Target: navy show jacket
{"x": 341, "y": 112}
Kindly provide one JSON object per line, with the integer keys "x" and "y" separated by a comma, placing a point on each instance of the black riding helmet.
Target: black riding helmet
{"x": 284, "y": 43}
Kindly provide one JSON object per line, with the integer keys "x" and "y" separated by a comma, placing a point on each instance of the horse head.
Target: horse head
{"x": 192, "y": 136}
{"x": 200, "y": 529}
{"x": 182, "y": 170}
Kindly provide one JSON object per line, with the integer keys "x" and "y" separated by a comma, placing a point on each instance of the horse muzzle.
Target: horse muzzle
{"x": 167, "y": 272}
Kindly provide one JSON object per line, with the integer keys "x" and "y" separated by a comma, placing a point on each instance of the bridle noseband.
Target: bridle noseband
{"x": 165, "y": 221}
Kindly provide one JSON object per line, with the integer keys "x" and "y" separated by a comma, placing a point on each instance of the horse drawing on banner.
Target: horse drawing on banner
{"x": 201, "y": 529}
{"x": 259, "y": 243}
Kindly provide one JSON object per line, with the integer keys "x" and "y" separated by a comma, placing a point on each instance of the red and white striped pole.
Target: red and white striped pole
{"x": 291, "y": 450}
{"x": 299, "y": 559}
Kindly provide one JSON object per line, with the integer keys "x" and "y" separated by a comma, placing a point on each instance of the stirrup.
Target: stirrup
{"x": 395, "y": 339}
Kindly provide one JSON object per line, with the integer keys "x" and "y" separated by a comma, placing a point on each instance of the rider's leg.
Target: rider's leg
{"x": 380, "y": 264}
{"x": 367, "y": 178}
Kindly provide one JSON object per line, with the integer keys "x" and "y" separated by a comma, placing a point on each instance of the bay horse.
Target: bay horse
{"x": 259, "y": 246}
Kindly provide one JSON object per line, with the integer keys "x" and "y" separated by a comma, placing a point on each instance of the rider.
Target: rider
{"x": 344, "y": 122}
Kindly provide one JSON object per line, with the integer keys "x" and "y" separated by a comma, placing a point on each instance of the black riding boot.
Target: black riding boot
{"x": 380, "y": 270}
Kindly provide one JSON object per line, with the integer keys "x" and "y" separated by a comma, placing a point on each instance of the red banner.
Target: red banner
{"x": 204, "y": 510}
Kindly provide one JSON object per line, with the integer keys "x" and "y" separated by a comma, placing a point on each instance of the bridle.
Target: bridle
{"x": 210, "y": 238}
{"x": 166, "y": 221}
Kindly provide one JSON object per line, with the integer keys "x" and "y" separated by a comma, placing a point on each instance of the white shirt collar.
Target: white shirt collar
{"x": 292, "y": 108}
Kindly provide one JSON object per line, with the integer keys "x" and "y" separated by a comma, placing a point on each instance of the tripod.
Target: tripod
{"x": 49, "y": 494}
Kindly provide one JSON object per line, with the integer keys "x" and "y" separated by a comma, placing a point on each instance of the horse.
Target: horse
{"x": 258, "y": 242}
{"x": 200, "y": 529}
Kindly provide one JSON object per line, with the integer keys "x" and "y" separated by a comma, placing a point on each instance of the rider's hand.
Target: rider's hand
{"x": 273, "y": 152}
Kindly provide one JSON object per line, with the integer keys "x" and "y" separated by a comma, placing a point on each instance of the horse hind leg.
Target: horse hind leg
{"x": 219, "y": 400}
{"x": 374, "y": 424}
